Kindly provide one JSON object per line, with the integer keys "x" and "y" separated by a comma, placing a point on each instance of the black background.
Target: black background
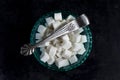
{"x": 17, "y": 18}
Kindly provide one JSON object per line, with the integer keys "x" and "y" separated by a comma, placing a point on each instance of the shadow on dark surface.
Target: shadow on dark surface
{"x": 17, "y": 19}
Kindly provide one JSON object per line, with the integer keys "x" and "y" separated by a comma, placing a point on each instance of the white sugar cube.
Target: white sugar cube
{"x": 77, "y": 38}
{"x": 52, "y": 51}
{"x": 71, "y": 36}
{"x": 49, "y": 20}
{"x": 73, "y": 59}
{"x": 66, "y": 54}
{"x": 83, "y": 39}
{"x": 56, "y": 24}
{"x": 77, "y": 46}
{"x": 80, "y": 30}
{"x": 41, "y": 29}
{"x": 44, "y": 57}
{"x": 61, "y": 62}
{"x": 58, "y": 16}
{"x": 81, "y": 51}
{"x": 66, "y": 44}
{"x": 70, "y": 17}
{"x": 51, "y": 60}
{"x": 65, "y": 37}
{"x": 38, "y": 36}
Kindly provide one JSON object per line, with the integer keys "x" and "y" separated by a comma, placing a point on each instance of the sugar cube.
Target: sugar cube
{"x": 50, "y": 20}
{"x": 58, "y": 16}
{"x": 71, "y": 36}
{"x": 56, "y": 24}
{"x": 52, "y": 51}
{"x": 66, "y": 54}
{"x": 83, "y": 39}
{"x": 77, "y": 38}
{"x": 66, "y": 44}
{"x": 44, "y": 57}
{"x": 81, "y": 51}
{"x": 77, "y": 46}
{"x": 65, "y": 37}
{"x": 38, "y": 36}
{"x": 51, "y": 60}
{"x": 61, "y": 62}
{"x": 41, "y": 29}
{"x": 73, "y": 59}
{"x": 70, "y": 18}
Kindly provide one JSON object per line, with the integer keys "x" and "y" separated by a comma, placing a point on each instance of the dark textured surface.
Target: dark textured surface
{"x": 17, "y": 18}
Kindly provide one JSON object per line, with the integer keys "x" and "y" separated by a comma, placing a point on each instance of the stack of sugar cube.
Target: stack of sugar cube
{"x": 62, "y": 51}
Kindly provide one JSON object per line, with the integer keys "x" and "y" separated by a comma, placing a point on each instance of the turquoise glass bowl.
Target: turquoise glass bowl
{"x": 81, "y": 58}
